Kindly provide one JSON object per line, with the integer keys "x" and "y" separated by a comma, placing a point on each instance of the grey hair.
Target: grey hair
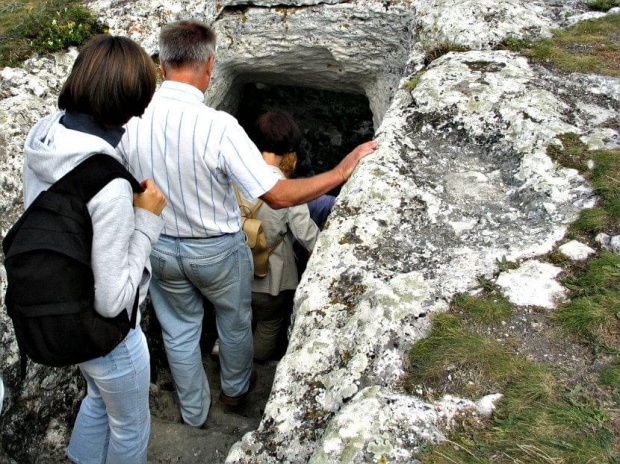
{"x": 187, "y": 42}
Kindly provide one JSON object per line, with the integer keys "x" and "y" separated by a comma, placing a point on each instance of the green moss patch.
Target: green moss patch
{"x": 438, "y": 49}
{"x": 593, "y": 311}
{"x": 412, "y": 83}
{"x": 39, "y": 26}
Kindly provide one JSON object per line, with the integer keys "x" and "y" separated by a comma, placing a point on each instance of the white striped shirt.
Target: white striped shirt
{"x": 194, "y": 154}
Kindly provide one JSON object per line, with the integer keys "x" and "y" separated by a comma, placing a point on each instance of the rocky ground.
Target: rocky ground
{"x": 174, "y": 442}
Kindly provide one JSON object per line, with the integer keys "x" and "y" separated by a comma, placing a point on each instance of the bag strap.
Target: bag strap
{"x": 91, "y": 175}
{"x": 273, "y": 248}
{"x": 253, "y": 212}
{"x": 257, "y": 206}
{"x": 87, "y": 179}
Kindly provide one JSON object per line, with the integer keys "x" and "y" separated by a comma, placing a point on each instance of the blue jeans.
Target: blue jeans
{"x": 185, "y": 270}
{"x": 114, "y": 421}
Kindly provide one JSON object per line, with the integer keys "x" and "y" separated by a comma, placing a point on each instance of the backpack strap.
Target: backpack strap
{"x": 257, "y": 206}
{"x": 91, "y": 175}
{"x": 280, "y": 240}
{"x": 87, "y": 179}
{"x": 252, "y": 213}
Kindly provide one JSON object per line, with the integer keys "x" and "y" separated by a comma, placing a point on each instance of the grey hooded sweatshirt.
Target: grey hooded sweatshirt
{"x": 122, "y": 235}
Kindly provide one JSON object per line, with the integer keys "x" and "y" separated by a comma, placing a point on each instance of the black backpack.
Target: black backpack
{"x": 51, "y": 292}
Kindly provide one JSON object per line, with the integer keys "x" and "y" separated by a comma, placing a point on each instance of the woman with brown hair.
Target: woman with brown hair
{"x": 278, "y": 137}
{"x": 112, "y": 80}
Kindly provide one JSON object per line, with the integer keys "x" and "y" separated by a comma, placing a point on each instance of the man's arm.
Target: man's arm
{"x": 290, "y": 192}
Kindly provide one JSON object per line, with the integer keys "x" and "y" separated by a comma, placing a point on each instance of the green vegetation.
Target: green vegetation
{"x": 546, "y": 415}
{"x": 489, "y": 308}
{"x": 593, "y": 312}
{"x": 514, "y": 44}
{"x": 604, "y": 178}
{"x": 40, "y": 26}
{"x": 603, "y": 5}
{"x": 412, "y": 83}
{"x": 540, "y": 418}
{"x": 436, "y": 50}
{"x": 591, "y": 46}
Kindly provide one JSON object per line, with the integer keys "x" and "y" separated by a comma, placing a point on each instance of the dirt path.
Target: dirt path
{"x": 174, "y": 442}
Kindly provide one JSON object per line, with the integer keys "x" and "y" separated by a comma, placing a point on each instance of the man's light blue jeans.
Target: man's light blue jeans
{"x": 114, "y": 421}
{"x": 221, "y": 270}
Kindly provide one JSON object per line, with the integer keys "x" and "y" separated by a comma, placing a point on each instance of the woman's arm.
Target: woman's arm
{"x": 302, "y": 226}
{"x": 122, "y": 241}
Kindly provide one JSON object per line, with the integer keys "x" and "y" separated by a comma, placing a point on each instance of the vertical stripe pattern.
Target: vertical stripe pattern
{"x": 193, "y": 154}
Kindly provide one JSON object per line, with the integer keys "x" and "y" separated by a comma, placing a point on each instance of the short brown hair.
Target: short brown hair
{"x": 112, "y": 80}
{"x": 277, "y": 132}
{"x": 186, "y": 43}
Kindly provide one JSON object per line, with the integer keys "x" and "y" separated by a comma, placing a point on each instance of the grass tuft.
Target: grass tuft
{"x": 436, "y": 50}
{"x": 595, "y": 317}
{"x": 591, "y": 46}
{"x": 593, "y": 312}
{"x": 611, "y": 376}
{"x": 604, "y": 178}
{"x": 43, "y": 26}
{"x": 514, "y": 44}
{"x": 603, "y": 5}
{"x": 489, "y": 308}
{"x": 592, "y": 221}
{"x": 538, "y": 420}
{"x": 412, "y": 83}
{"x": 601, "y": 274}
{"x": 476, "y": 364}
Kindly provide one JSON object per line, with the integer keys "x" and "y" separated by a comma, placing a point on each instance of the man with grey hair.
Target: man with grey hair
{"x": 195, "y": 154}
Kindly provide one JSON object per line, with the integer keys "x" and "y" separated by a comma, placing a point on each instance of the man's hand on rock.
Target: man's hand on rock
{"x": 348, "y": 164}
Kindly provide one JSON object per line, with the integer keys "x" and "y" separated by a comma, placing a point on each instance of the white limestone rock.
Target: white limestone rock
{"x": 279, "y": 3}
{"x": 571, "y": 21}
{"x": 532, "y": 284}
{"x": 604, "y": 240}
{"x": 480, "y": 24}
{"x": 378, "y": 426}
{"x": 614, "y": 244}
{"x": 141, "y": 20}
{"x": 576, "y": 251}
{"x": 354, "y": 47}
{"x": 486, "y": 405}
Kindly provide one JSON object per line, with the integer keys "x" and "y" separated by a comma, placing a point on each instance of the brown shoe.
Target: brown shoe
{"x": 236, "y": 400}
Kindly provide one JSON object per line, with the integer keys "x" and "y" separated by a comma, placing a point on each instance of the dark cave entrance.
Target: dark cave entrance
{"x": 332, "y": 123}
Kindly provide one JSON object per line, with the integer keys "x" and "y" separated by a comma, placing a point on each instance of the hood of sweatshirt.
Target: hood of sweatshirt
{"x": 52, "y": 149}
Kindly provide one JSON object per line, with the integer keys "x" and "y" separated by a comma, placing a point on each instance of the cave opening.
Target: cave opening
{"x": 332, "y": 123}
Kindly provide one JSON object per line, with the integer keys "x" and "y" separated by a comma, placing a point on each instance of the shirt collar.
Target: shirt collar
{"x": 82, "y": 122}
{"x": 181, "y": 91}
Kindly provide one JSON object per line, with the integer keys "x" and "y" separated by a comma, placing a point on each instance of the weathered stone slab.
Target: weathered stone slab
{"x": 480, "y": 24}
{"x": 279, "y": 3}
{"x": 532, "y": 284}
{"x": 353, "y": 47}
{"x": 576, "y": 251}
